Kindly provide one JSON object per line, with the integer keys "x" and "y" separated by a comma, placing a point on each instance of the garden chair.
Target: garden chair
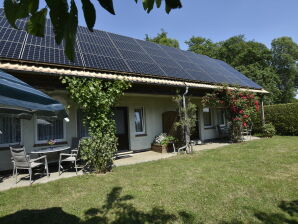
{"x": 71, "y": 157}
{"x": 22, "y": 161}
{"x": 246, "y": 131}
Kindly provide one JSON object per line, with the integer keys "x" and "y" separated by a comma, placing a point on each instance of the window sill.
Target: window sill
{"x": 140, "y": 135}
{"x": 46, "y": 144}
{"x": 212, "y": 127}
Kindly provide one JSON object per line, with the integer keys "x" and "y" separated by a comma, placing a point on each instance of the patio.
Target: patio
{"x": 123, "y": 159}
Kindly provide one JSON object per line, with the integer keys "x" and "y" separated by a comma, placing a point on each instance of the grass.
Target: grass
{"x": 255, "y": 182}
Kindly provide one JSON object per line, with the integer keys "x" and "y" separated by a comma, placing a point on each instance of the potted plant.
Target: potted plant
{"x": 161, "y": 143}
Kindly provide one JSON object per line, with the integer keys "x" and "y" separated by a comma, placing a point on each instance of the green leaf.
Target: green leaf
{"x": 71, "y": 31}
{"x": 107, "y": 5}
{"x": 33, "y": 6}
{"x": 36, "y": 23}
{"x": 58, "y": 15}
{"x": 9, "y": 10}
{"x": 158, "y": 3}
{"x": 172, "y": 4}
{"x": 14, "y": 11}
{"x": 89, "y": 14}
{"x": 148, "y": 5}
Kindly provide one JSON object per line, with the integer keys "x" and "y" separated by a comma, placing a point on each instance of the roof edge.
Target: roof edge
{"x": 131, "y": 78}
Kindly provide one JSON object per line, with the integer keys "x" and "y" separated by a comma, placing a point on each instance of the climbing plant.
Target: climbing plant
{"x": 97, "y": 98}
{"x": 186, "y": 118}
{"x": 240, "y": 106}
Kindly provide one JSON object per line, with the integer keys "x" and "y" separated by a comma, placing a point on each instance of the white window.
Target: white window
{"x": 221, "y": 117}
{"x": 139, "y": 120}
{"x": 48, "y": 128}
{"x": 10, "y": 130}
{"x": 207, "y": 117}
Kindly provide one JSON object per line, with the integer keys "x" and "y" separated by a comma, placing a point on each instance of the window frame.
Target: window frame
{"x": 46, "y": 141}
{"x": 15, "y": 143}
{"x": 211, "y": 120}
{"x": 224, "y": 117}
{"x": 143, "y": 120}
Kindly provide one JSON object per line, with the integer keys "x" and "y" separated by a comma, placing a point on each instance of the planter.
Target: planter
{"x": 159, "y": 148}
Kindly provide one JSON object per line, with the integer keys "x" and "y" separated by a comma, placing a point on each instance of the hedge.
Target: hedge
{"x": 284, "y": 117}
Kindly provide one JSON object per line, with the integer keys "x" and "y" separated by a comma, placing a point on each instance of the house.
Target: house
{"x": 156, "y": 72}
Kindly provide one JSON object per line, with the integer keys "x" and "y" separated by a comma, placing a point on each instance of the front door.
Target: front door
{"x": 121, "y": 119}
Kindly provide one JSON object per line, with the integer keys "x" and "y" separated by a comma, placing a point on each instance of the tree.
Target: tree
{"x": 251, "y": 58}
{"x": 65, "y": 18}
{"x": 285, "y": 56}
{"x": 163, "y": 39}
{"x": 201, "y": 45}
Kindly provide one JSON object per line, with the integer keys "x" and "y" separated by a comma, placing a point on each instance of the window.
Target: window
{"x": 207, "y": 117}
{"x": 49, "y": 128}
{"x": 82, "y": 128}
{"x": 221, "y": 117}
{"x": 139, "y": 120}
{"x": 10, "y": 130}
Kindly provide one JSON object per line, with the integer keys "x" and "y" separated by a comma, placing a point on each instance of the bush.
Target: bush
{"x": 284, "y": 118}
{"x": 268, "y": 130}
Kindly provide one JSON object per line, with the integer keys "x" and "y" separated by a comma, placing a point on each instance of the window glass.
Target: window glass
{"x": 10, "y": 130}
{"x": 221, "y": 116}
{"x": 207, "y": 117}
{"x": 139, "y": 120}
{"x": 49, "y": 128}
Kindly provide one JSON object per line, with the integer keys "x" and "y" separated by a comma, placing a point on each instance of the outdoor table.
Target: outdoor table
{"x": 50, "y": 149}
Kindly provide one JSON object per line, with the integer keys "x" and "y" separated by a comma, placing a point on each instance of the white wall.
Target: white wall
{"x": 154, "y": 106}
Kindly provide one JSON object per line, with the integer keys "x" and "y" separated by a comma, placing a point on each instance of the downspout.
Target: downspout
{"x": 186, "y": 129}
{"x": 263, "y": 112}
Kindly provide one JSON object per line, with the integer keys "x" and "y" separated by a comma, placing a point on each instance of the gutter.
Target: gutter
{"x": 103, "y": 75}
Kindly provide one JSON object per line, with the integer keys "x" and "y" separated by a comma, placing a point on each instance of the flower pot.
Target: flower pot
{"x": 159, "y": 148}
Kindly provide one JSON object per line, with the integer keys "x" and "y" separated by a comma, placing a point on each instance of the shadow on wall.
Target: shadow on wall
{"x": 116, "y": 210}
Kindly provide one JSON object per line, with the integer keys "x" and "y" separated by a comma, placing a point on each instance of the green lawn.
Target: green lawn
{"x": 255, "y": 182}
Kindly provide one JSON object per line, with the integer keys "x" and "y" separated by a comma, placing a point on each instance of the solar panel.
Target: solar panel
{"x": 145, "y": 68}
{"x": 112, "y": 52}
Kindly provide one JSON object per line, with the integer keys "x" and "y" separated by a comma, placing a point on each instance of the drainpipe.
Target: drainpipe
{"x": 263, "y": 112}
{"x": 186, "y": 129}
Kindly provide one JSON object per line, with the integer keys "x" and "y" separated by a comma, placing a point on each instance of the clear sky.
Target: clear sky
{"x": 261, "y": 20}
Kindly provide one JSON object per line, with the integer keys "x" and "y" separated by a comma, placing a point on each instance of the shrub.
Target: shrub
{"x": 284, "y": 118}
{"x": 268, "y": 130}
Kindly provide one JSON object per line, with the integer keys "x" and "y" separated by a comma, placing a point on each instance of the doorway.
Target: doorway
{"x": 121, "y": 120}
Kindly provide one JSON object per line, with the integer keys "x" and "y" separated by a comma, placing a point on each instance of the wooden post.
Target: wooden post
{"x": 263, "y": 112}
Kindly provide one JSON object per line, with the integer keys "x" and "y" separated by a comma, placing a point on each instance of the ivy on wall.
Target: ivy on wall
{"x": 97, "y": 98}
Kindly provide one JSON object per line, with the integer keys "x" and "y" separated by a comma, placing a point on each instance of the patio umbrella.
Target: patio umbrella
{"x": 19, "y": 99}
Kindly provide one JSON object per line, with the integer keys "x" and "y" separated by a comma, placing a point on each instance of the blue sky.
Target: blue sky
{"x": 261, "y": 20}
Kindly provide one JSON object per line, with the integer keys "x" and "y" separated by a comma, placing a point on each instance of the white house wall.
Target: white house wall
{"x": 154, "y": 106}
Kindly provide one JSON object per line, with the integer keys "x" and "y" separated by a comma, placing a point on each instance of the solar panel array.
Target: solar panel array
{"x": 107, "y": 51}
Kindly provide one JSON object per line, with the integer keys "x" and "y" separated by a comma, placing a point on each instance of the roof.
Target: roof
{"x": 102, "y": 51}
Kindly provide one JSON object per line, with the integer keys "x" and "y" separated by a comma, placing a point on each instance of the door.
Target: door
{"x": 121, "y": 119}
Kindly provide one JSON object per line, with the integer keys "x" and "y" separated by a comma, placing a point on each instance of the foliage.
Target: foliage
{"x": 163, "y": 39}
{"x": 240, "y": 107}
{"x": 65, "y": 20}
{"x": 186, "y": 118}
{"x": 251, "y": 58}
{"x": 282, "y": 116}
{"x": 268, "y": 130}
{"x": 163, "y": 139}
{"x": 285, "y": 56}
{"x": 96, "y": 98}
